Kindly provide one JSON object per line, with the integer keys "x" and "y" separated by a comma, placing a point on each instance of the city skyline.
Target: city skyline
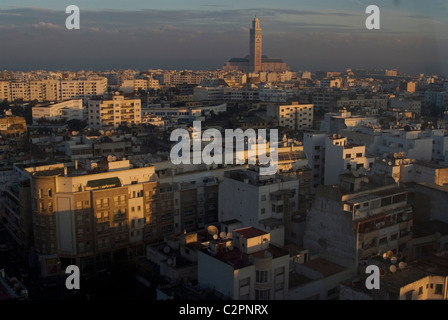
{"x": 171, "y": 35}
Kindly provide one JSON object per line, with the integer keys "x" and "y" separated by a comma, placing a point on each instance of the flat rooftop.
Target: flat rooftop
{"x": 250, "y": 232}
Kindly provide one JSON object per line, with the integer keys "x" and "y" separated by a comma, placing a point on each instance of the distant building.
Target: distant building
{"x": 342, "y": 156}
{"x": 11, "y": 125}
{"x": 114, "y": 112}
{"x": 66, "y": 111}
{"x": 295, "y": 116}
{"x": 255, "y": 61}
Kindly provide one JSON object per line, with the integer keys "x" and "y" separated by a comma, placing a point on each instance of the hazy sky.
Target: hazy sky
{"x": 195, "y": 34}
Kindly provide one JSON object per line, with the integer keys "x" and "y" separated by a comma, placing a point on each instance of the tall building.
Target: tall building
{"x": 90, "y": 215}
{"x": 255, "y": 46}
{"x": 358, "y": 219}
{"x": 255, "y": 61}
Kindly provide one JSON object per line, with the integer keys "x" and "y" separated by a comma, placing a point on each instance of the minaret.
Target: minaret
{"x": 255, "y": 46}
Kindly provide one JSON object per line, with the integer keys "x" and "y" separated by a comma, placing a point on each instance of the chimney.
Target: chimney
{"x": 76, "y": 164}
{"x": 65, "y": 171}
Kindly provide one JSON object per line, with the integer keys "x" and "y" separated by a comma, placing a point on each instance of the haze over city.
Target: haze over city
{"x": 307, "y": 35}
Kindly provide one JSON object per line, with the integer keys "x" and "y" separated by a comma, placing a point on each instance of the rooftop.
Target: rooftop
{"x": 250, "y": 232}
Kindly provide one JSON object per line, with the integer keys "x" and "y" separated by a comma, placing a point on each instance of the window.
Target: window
{"x": 262, "y": 294}
{"x": 50, "y": 192}
{"x": 409, "y": 295}
{"x": 420, "y": 291}
{"x": 263, "y": 197}
{"x": 439, "y": 289}
{"x": 261, "y": 276}
{"x": 348, "y": 156}
{"x": 359, "y": 155}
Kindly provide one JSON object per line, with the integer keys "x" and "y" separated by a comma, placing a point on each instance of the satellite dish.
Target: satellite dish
{"x": 393, "y": 260}
{"x": 390, "y": 254}
{"x": 166, "y": 249}
{"x": 229, "y": 235}
{"x": 223, "y": 235}
{"x": 215, "y": 236}
{"x": 402, "y": 265}
{"x": 385, "y": 256}
{"x": 393, "y": 269}
{"x": 212, "y": 230}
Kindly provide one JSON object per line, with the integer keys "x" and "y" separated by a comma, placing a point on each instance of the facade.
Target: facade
{"x": 52, "y": 89}
{"x": 245, "y": 267}
{"x": 114, "y": 112}
{"x": 336, "y": 122}
{"x": 88, "y": 216}
{"x": 66, "y": 110}
{"x": 357, "y": 220}
{"x": 266, "y": 202}
{"x": 342, "y": 156}
{"x": 295, "y": 116}
{"x": 314, "y": 147}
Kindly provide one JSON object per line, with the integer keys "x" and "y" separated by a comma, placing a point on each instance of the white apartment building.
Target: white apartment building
{"x": 295, "y": 116}
{"x": 342, "y": 156}
{"x": 114, "y": 112}
{"x": 185, "y": 114}
{"x": 335, "y": 122}
{"x": 82, "y": 88}
{"x": 265, "y": 202}
{"x": 414, "y": 143}
{"x": 245, "y": 267}
{"x": 66, "y": 110}
{"x": 52, "y": 89}
{"x": 44, "y": 90}
{"x": 201, "y": 93}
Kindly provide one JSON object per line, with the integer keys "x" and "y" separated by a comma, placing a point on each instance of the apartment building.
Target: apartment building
{"x": 314, "y": 147}
{"x": 52, "y": 89}
{"x": 66, "y": 111}
{"x": 335, "y": 122}
{"x": 265, "y": 202}
{"x": 295, "y": 116}
{"x": 91, "y": 214}
{"x": 113, "y": 112}
{"x": 358, "y": 219}
{"x": 244, "y": 266}
{"x": 342, "y": 156}
{"x": 82, "y": 88}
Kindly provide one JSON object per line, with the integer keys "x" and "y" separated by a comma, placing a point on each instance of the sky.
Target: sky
{"x": 204, "y": 34}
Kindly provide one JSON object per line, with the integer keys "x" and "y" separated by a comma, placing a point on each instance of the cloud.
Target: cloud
{"x": 207, "y": 39}
{"x": 46, "y": 25}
